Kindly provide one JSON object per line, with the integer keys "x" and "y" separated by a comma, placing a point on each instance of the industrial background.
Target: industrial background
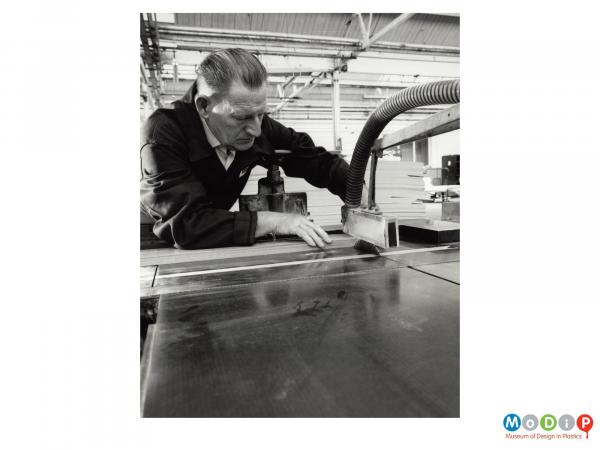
{"x": 327, "y": 72}
{"x": 368, "y": 326}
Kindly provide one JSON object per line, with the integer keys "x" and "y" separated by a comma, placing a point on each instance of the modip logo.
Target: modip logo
{"x": 585, "y": 423}
{"x": 548, "y": 423}
{"x": 512, "y": 422}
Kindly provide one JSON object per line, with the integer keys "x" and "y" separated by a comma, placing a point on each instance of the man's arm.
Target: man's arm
{"x": 317, "y": 166}
{"x": 177, "y": 200}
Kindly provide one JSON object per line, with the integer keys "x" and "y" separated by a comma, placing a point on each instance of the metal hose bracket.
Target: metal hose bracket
{"x": 436, "y": 93}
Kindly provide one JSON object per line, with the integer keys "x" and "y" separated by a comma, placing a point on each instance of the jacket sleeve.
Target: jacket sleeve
{"x": 177, "y": 200}
{"x": 317, "y": 166}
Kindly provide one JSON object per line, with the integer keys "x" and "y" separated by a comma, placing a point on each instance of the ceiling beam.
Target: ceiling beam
{"x": 288, "y": 81}
{"x": 261, "y": 48}
{"x": 270, "y": 43}
{"x": 364, "y": 31}
{"x": 183, "y": 85}
{"x": 389, "y": 27}
{"x": 305, "y": 88}
{"x": 441, "y": 122}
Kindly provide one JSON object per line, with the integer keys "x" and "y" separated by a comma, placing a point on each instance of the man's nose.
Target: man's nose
{"x": 253, "y": 127}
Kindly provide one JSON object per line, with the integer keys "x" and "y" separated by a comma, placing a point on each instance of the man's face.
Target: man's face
{"x": 236, "y": 119}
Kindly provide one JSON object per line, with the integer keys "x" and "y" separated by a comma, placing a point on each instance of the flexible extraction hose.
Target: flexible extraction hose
{"x": 436, "y": 93}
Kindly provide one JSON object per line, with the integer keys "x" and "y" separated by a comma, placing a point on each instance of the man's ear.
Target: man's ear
{"x": 202, "y": 105}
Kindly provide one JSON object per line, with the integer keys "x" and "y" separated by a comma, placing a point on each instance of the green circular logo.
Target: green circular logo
{"x": 548, "y": 422}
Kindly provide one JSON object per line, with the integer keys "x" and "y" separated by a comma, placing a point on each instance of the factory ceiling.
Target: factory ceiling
{"x": 420, "y": 29}
{"x": 379, "y": 54}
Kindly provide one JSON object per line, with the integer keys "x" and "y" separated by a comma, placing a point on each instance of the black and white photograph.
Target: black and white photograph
{"x": 300, "y": 215}
{"x": 299, "y": 225}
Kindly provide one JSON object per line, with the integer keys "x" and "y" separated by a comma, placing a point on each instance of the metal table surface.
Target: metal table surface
{"x": 340, "y": 334}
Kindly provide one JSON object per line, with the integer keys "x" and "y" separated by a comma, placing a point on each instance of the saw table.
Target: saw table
{"x": 283, "y": 330}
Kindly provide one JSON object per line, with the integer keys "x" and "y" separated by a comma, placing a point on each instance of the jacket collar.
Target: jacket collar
{"x": 196, "y": 137}
{"x": 210, "y": 137}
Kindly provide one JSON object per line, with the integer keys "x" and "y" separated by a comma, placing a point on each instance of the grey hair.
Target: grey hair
{"x": 220, "y": 68}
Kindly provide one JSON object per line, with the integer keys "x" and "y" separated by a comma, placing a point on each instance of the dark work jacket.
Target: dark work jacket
{"x": 187, "y": 191}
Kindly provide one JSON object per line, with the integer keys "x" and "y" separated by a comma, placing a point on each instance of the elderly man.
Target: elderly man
{"x": 197, "y": 157}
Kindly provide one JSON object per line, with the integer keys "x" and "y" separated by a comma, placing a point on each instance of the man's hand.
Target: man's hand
{"x": 283, "y": 223}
